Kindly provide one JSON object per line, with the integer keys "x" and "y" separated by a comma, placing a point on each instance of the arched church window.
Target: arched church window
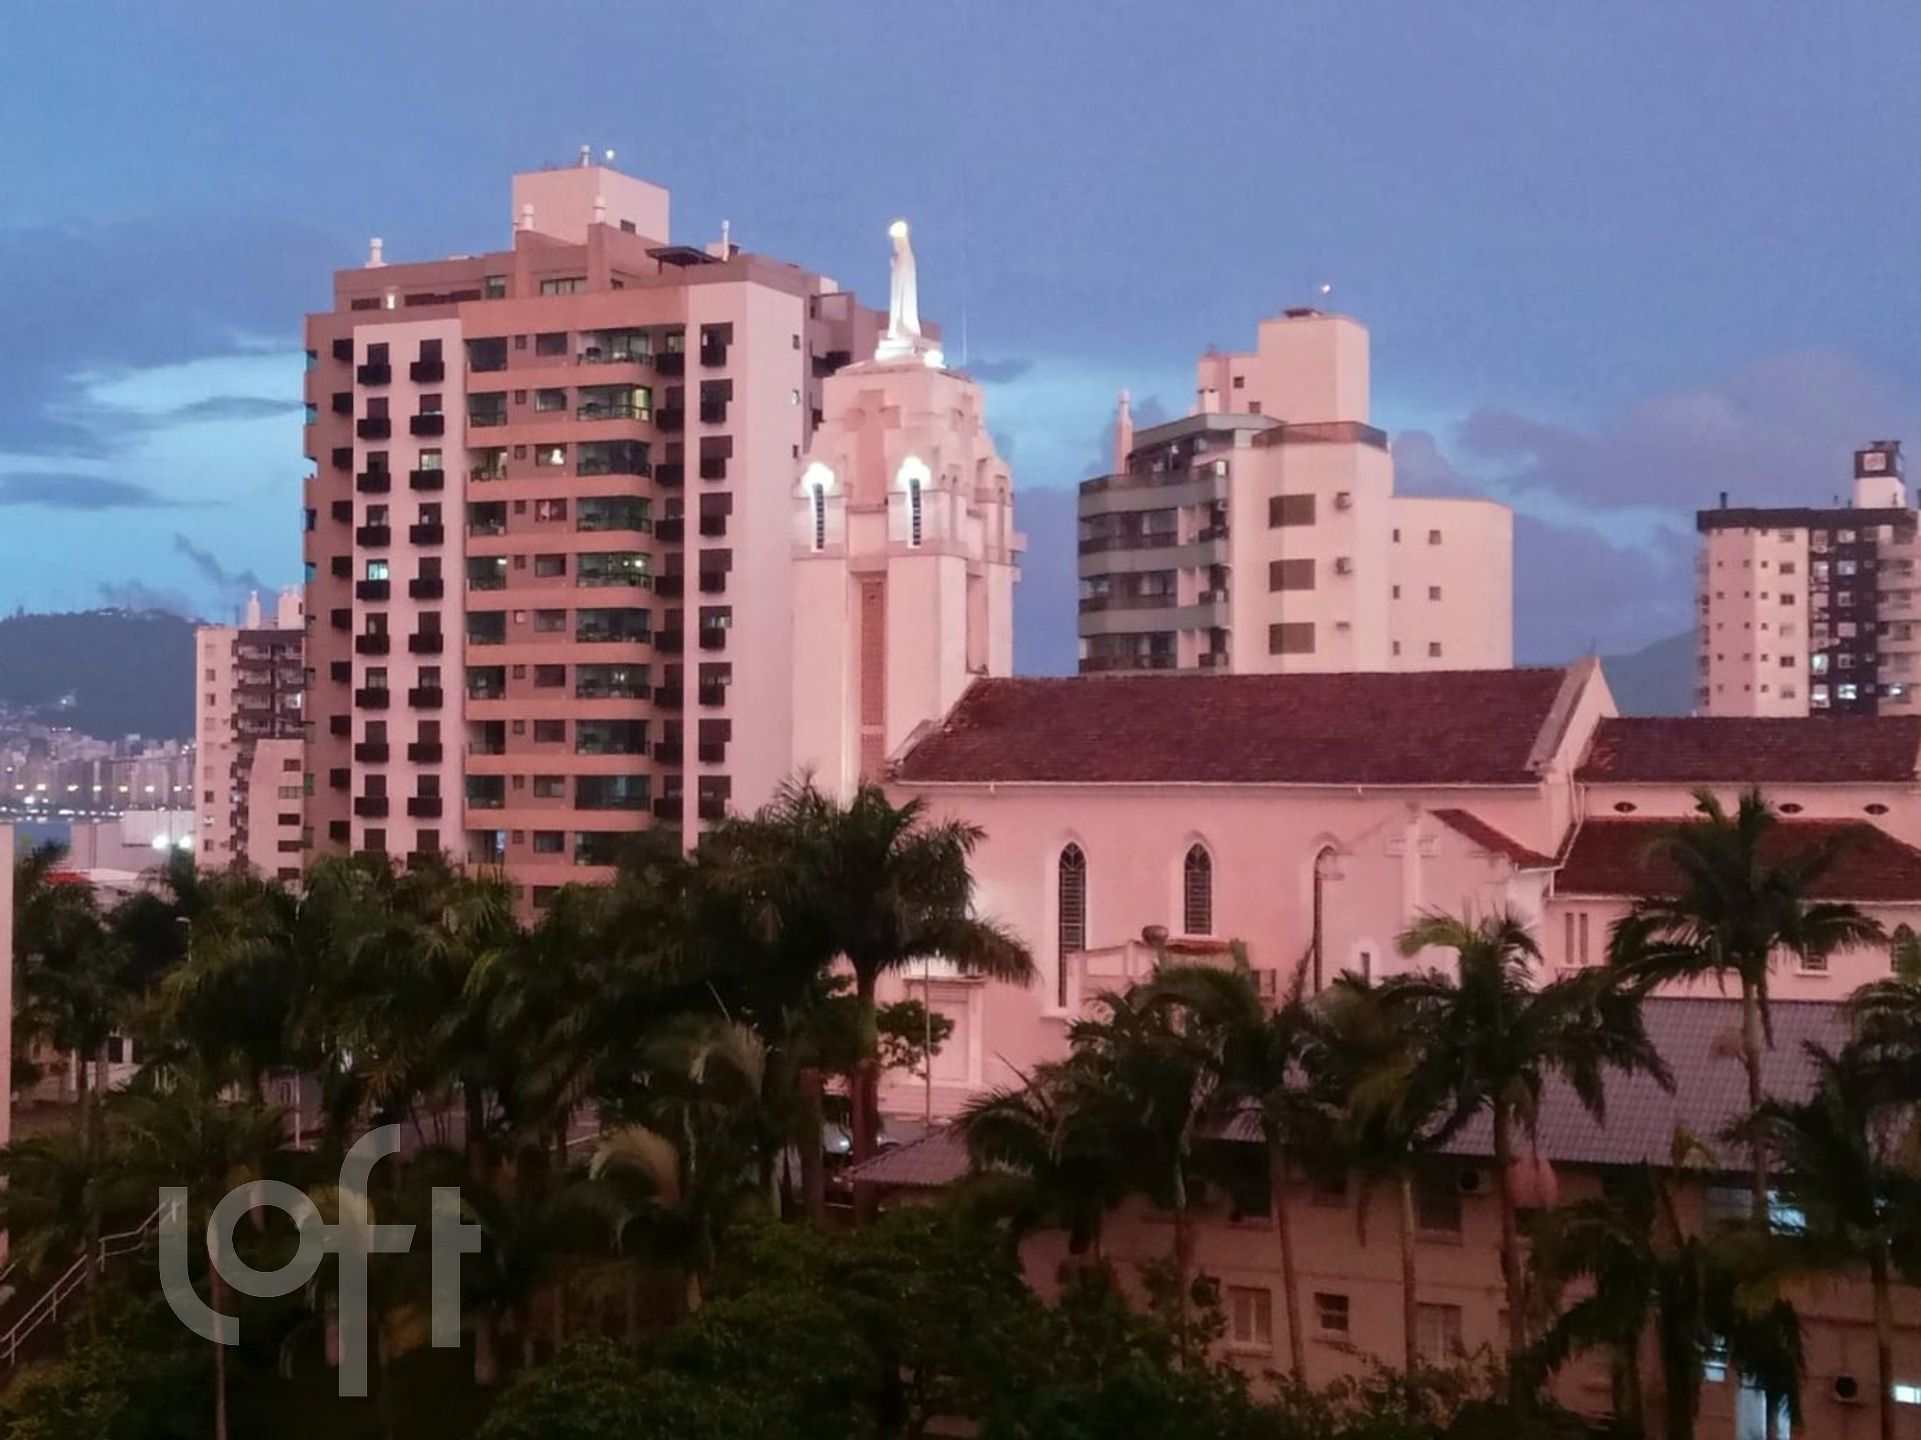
{"x": 1197, "y": 892}
{"x": 1072, "y": 932}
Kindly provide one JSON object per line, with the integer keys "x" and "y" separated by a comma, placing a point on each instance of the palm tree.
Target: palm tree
{"x": 1042, "y": 1157}
{"x": 1502, "y": 1038}
{"x": 1737, "y": 902}
{"x": 71, "y": 969}
{"x": 1840, "y": 1165}
{"x": 1660, "y": 1299}
{"x": 185, "y": 1135}
{"x": 1388, "y": 1104}
{"x": 886, "y": 888}
{"x": 1262, "y": 1076}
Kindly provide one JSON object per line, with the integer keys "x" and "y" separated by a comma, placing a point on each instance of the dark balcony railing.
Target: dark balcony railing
{"x": 1147, "y": 540}
{"x": 343, "y": 402}
{"x": 712, "y": 582}
{"x": 671, "y": 475}
{"x": 371, "y": 752}
{"x": 480, "y": 474}
{"x": 673, "y": 528}
{"x": 668, "y": 640}
{"x": 342, "y": 457}
{"x": 372, "y": 589}
{"x": 487, "y": 527}
{"x": 426, "y": 479}
{"x": 713, "y": 356}
{"x": 371, "y": 698}
{"x": 373, "y": 427}
{"x": 711, "y": 807}
{"x": 426, "y": 697}
{"x": 609, "y": 410}
{"x": 713, "y": 412}
{"x": 668, "y": 697}
{"x": 373, "y": 482}
{"x": 486, "y": 419}
{"x": 377, "y": 536}
{"x": 711, "y": 694}
{"x": 427, "y": 372}
{"x": 372, "y": 644}
{"x": 713, "y": 526}
{"x": 424, "y": 752}
{"x": 714, "y": 637}
{"x": 1214, "y": 660}
{"x": 667, "y": 752}
{"x": 343, "y": 349}
{"x": 341, "y": 619}
{"x": 424, "y": 807}
{"x": 667, "y": 807}
{"x": 671, "y": 362}
{"x": 339, "y": 779}
{"x": 429, "y": 534}
{"x": 428, "y": 425}
{"x": 713, "y": 467}
{"x": 425, "y": 643}
{"x": 341, "y": 670}
{"x": 374, "y": 374}
{"x": 426, "y": 589}
{"x": 371, "y": 807}
{"x": 713, "y": 752}
{"x": 670, "y": 417}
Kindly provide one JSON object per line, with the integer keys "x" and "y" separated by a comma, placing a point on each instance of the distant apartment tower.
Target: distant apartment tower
{"x": 1261, "y": 533}
{"x": 248, "y": 767}
{"x": 1806, "y": 611}
{"x": 550, "y": 532}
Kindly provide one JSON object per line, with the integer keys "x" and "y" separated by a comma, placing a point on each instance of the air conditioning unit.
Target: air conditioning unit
{"x": 1848, "y": 1391}
{"x": 1343, "y": 566}
{"x": 1343, "y": 500}
{"x": 1471, "y": 1182}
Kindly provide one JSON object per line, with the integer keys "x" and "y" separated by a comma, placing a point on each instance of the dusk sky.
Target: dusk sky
{"x": 1615, "y": 259}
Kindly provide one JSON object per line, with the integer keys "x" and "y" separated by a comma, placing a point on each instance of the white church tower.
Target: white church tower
{"x": 905, "y": 550}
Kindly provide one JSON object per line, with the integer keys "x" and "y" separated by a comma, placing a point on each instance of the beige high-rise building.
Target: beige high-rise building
{"x": 248, "y": 770}
{"x": 1261, "y": 533}
{"x": 1811, "y": 611}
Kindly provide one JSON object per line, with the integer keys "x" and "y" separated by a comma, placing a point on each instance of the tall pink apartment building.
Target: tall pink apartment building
{"x": 1261, "y": 533}
{"x": 1812, "y": 611}
{"x": 249, "y": 781}
{"x": 551, "y": 532}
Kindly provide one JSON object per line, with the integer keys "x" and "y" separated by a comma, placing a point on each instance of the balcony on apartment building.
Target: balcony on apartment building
{"x": 372, "y": 643}
{"x": 372, "y": 697}
{"x": 370, "y": 807}
{"x": 670, "y": 361}
{"x": 428, "y": 424}
{"x": 371, "y": 752}
{"x": 424, "y": 807}
{"x": 427, "y": 372}
{"x": 372, "y": 589}
{"x": 373, "y": 427}
{"x": 615, "y": 347}
{"x": 427, "y": 533}
{"x": 426, "y": 588}
{"x": 374, "y": 373}
{"x": 424, "y": 752}
{"x": 432, "y": 478}
{"x": 425, "y": 642}
{"x": 377, "y": 537}
{"x": 426, "y": 697}
{"x": 374, "y": 482}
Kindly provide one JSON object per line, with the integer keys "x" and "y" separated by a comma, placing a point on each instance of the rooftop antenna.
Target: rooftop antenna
{"x": 726, "y": 239}
{"x": 586, "y": 156}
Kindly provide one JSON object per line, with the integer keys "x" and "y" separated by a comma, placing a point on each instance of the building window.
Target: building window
{"x": 1437, "y": 1204}
{"x": 1290, "y": 575}
{"x": 1434, "y": 649}
{"x": 563, "y": 285}
{"x": 1290, "y": 510}
{"x": 1330, "y": 1313}
{"x": 1250, "y": 1317}
{"x": 1197, "y": 892}
{"x": 1434, "y": 537}
{"x": 1072, "y": 932}
{"x": 913, "y": 513}
{"x": 1291, "y": 638}
{"x": 817, "y": 495}
{"x": 1437, "y": 1333}
{"x": 1434, "y": 592}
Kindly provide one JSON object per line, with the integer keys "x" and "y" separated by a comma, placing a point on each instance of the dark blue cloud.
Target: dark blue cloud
{"x": 67, "y": 490}
{"x": 229, "y": 407}
{"x": 999, "y": 372}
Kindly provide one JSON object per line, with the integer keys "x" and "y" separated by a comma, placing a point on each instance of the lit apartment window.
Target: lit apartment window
{"x": 1197, "y": 892}
{"x": 1250, "y": 1311}
{"x": 1071, "y": 934}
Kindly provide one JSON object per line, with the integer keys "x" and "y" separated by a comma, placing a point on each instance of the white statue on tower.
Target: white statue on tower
{"x": 903, "y": 339}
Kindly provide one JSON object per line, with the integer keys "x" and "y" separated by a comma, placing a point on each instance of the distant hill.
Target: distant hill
{"x": 1657, "y": 679}
{"x": 106, "y": 673}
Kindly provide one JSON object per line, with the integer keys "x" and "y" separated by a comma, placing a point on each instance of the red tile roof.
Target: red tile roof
{"x": 1691, "y": 750}
{"x": 938, "y": 1158}
{"x": 1462, "y": 727}
{"x": 1616, "y": 857}
{"x": 1487, "y": 838}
